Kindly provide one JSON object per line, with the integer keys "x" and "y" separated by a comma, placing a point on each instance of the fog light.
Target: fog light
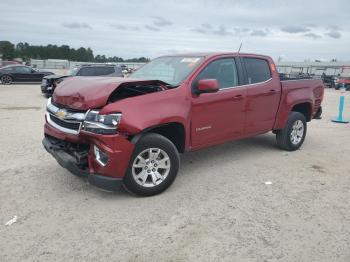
{"x": 101, "y": 157}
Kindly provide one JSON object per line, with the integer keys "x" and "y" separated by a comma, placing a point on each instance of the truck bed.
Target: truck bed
{"x": 299, "y": 91}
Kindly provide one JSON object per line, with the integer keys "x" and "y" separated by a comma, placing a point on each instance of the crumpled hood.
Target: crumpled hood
{"x": 83, "y": 93}
{"x": 55, "y": 76}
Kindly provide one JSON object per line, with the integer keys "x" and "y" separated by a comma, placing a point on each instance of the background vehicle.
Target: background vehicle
{"x": 131, "y": 130}
{"x": 343, "y": 80}
{"x": 49, "y": 83}
{"x": 5, "y": 63}
{"x": 21, "y": 73}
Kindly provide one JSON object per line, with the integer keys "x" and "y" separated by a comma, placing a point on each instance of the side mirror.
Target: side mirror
{"x": 207, "y": 86}
{"x": 33, "y": 71}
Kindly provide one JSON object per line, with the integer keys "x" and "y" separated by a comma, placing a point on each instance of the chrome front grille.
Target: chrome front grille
{"x": 64, "y": 119}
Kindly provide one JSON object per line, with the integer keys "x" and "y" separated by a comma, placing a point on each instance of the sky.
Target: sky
{"x": 292, "y": 30}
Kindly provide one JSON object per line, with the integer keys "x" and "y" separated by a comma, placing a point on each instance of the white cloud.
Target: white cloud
{"x": 150, "y": 28}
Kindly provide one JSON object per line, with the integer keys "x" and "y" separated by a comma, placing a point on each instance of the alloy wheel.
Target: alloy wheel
{"x": 297, "y": 132}
{"x": 6, "y": 80}
{"x": 151, "y": 167}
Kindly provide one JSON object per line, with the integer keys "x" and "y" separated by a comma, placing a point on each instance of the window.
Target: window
{"x": 118, "y": 71}
{"x": 224, "y": 70}
{"x": 87, "y": 71}
{"x": 100, "y": 71}
{"x": 258, "y": 70}
{"x": 170, "y": 69}
{"x": 23, "y": 70}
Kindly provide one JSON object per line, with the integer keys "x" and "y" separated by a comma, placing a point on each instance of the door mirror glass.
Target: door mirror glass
{"x": 208, "y": 86}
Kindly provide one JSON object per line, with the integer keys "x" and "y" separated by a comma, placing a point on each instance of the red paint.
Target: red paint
{"x": 345, "y": 81}
{"x": 207, "y": 118}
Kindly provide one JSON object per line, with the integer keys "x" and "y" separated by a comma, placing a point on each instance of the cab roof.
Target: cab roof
{"x": 213, "y": 54}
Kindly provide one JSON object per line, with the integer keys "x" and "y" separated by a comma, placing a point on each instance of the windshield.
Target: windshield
{"x": 170, "y": 69}
{"x": 73, "y": 71}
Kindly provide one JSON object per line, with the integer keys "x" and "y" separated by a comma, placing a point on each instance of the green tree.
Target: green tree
{"x": 7, "y": 50}
{"x": 27, "y": 51}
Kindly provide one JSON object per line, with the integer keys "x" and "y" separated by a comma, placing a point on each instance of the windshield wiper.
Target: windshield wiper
{"x": 171, "y": 86}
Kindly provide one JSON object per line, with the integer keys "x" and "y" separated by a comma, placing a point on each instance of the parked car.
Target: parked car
{"x": 6, "y": 63}
{"x": 49, "y": 83}
{"x": 343, "y": 80}
{"x": 131, "y": 130}
{"x": 21, "y": 73}
{"x": 329, "y": 80}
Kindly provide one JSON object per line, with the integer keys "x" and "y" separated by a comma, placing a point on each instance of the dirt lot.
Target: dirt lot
{"x": 218, "y": 209}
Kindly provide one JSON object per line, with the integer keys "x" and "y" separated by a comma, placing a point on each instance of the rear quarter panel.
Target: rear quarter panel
{"x": 296, "y": 92}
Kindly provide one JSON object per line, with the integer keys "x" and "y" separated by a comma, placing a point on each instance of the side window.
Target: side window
{"x": 118, "y": 71}
{"x": 23, "y": 70}
{"x": 100, "y": 71}
{"x": 87, "y": 71}
{"x": 258, "y": 70}
{"x": 224, "y": 70}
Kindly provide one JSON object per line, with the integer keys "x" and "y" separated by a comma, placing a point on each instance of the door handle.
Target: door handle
{"x": 272, "y": 91}
{"x": 237, "y": 97}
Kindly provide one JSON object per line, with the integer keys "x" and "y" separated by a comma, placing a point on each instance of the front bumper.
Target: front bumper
{"x": 47, "y": 90}
{"x": 117, "y": 147}
{"x": 69, "y": 162}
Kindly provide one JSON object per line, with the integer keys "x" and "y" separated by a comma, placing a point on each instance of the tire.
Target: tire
{"x": 318, "y": 114}
{"x": 288, "y": 138}
{"x": 149, "y": 172}
{"x": 6, "y": 80}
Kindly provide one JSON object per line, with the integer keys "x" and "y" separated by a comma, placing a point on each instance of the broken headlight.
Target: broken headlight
{"x": 101, "y": 124}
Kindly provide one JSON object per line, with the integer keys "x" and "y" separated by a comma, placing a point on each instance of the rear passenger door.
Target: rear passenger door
{"x": 104, "y": 70}
{"x": 263, "y": 95}
{"x": 86, "y": 71}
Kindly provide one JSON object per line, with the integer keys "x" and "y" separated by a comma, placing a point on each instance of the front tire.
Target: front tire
{"x": 292, "y": 136}
{"x": 153, "y": 166}
{"x": 6, "y": 80}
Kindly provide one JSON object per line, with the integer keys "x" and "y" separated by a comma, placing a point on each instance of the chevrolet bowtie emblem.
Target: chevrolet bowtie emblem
{"x": 60, "y": 114}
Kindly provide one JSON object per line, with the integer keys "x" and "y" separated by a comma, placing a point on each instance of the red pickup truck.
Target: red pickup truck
{"x": 131, "y": 130}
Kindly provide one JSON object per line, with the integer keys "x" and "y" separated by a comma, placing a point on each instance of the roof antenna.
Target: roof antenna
{"x": 240, "y": 46}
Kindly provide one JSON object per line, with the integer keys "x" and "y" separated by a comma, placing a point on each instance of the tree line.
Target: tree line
{"x": 9, "y": 51}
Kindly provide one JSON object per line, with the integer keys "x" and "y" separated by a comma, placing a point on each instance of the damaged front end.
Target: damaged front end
{"x": 84, "y": 128}
{"x": 132, "y": 89}
{"x": 71, "y": 156}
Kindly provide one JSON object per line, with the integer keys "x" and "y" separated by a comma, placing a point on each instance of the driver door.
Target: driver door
{"x": 23, "y": 73}
{"x": 218, "y": 117}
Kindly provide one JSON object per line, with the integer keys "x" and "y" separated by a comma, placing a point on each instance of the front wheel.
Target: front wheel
{"x": 153, "y": 166}
{"x": 6, "y": 80}
{"x": 292, "y": 136}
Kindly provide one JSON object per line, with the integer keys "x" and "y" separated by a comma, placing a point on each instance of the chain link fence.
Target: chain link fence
{"x": 65, "y": 64}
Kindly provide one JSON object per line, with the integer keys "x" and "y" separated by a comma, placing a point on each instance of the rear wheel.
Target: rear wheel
{"x": 6, "y": 80}
{"x": 293, "y": 135}
{"x": 153, "y": 166}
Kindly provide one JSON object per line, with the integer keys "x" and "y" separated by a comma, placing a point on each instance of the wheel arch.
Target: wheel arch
{"x": 304, "y": 108}
{"x": 174, "y": 131}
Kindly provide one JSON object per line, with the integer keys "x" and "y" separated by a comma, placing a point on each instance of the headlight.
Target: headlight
{"x": 101, "y": 124}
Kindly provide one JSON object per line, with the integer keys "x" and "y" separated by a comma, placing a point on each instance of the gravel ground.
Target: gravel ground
{"x": 218, "y": 209}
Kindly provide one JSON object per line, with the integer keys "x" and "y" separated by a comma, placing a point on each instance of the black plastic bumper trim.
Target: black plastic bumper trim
{"x": 64, "y": 159}
{"x": 70, "y": 162}
{"x": 104, "y": 182}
